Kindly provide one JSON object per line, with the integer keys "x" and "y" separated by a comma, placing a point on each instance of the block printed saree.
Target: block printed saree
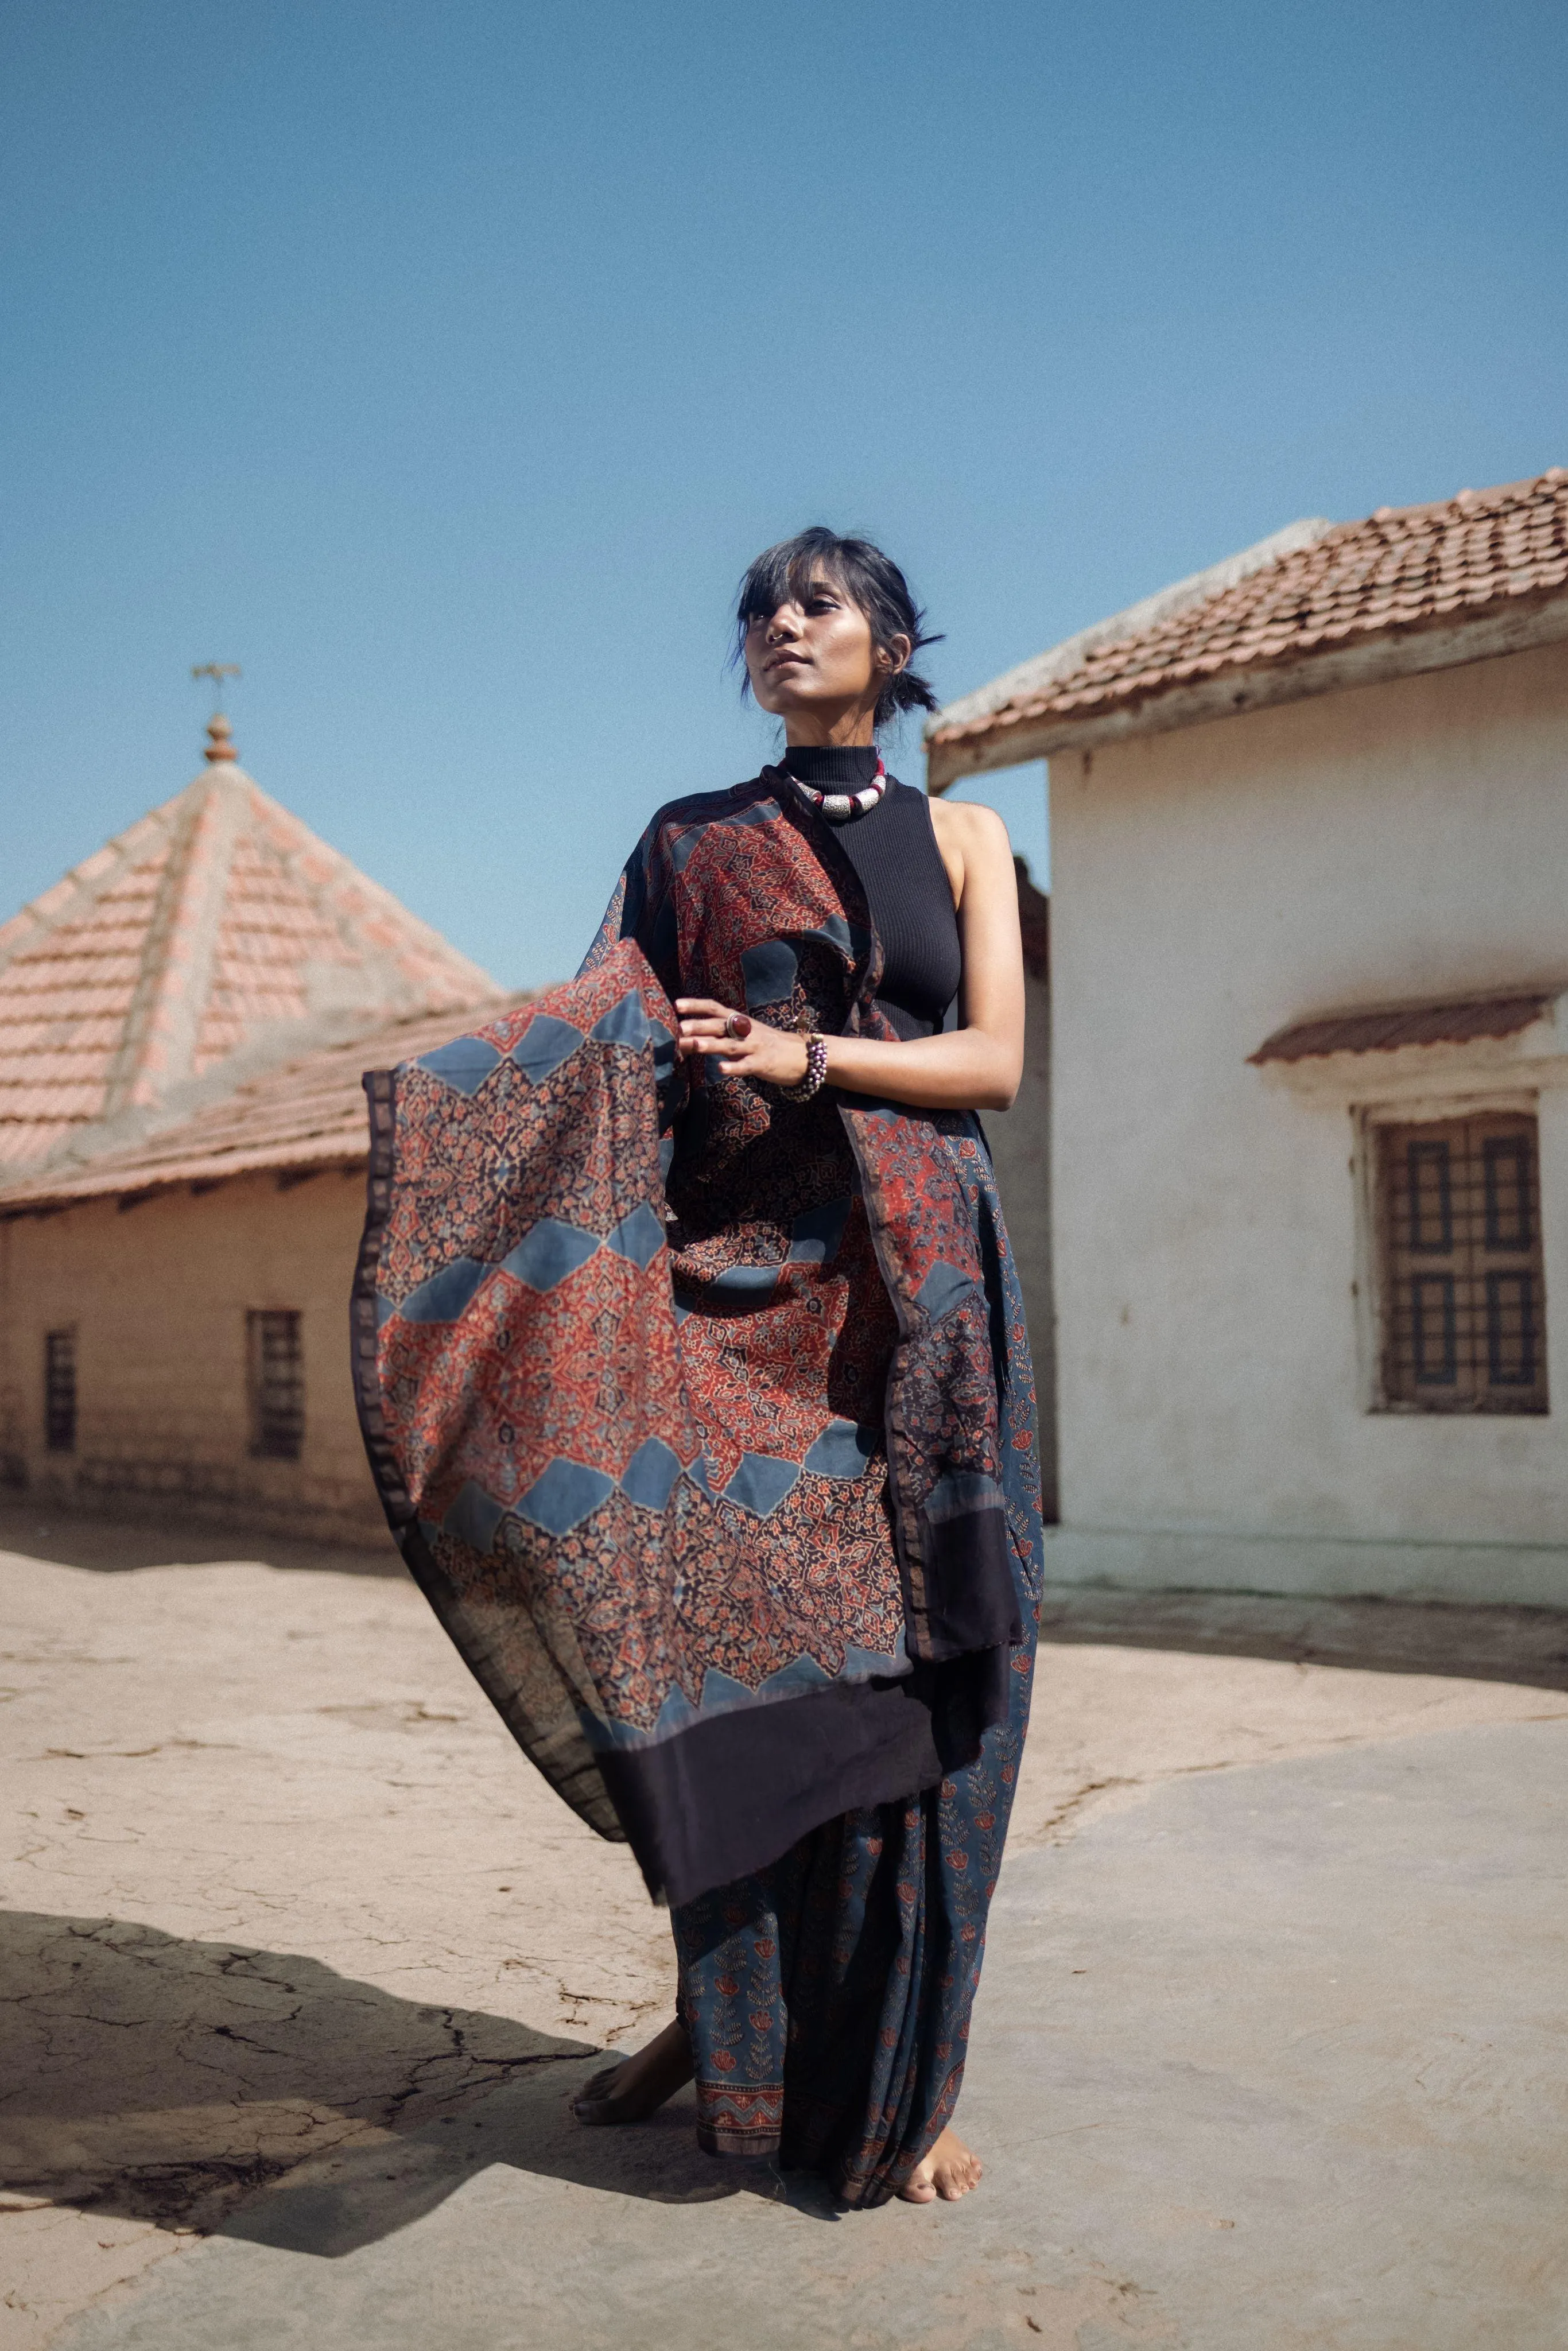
{"x": 705, "y": 1422}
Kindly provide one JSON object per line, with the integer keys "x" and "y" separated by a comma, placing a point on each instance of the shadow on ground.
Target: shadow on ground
{"x": 171, "y": 2081}
{"x": 1526, "y": 1646}
{"x": 110, "y": 1545}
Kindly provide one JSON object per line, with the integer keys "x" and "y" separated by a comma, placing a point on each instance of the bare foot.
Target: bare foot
{"x": 949, "y": 2171}
{"x": 638, "y": 2086}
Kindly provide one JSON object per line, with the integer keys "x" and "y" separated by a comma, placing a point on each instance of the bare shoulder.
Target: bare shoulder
{"x": 973, "y": 846}
{"x": 969, "y": 827}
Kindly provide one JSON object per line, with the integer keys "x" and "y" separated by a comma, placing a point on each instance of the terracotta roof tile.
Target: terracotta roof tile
{"x": 18, "y": 1145}
{"x": 53, "y": 1099}
{"x": 309, "y": 1114}
{"x": 1402, "y": 568}
{"x": 217, "y": 926}
{"x": 1452, "y": 1021}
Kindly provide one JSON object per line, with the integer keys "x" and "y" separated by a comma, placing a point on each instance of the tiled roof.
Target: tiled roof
{"x": 1451, "y": 1022}
{"x": 1334, "y": 586}
{"x": 216, "y": 936}
{"x": 309, "y": 1114}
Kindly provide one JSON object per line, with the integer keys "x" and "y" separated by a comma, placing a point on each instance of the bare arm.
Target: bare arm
{"x": 976, "y": 1066}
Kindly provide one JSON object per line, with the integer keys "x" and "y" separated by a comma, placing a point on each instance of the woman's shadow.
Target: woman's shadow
{"x": 263, "y": 2096}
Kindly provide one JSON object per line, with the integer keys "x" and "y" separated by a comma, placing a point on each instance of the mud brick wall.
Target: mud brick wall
{"x": 157, "y": 1292}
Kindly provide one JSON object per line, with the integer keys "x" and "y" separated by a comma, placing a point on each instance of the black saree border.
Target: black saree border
{"x": 729, "y": 1795}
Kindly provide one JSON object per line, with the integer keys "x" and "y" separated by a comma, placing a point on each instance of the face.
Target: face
{"x": 813, "y": 659}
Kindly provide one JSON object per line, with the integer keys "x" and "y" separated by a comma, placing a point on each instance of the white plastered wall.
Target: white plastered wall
{"x": 1394, "y": 841}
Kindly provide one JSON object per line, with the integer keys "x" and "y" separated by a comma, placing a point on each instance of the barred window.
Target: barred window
{"x": 277, "y": 1384}
{"x": 60, "y": 1391}
{"x": 1464, "y": 1299}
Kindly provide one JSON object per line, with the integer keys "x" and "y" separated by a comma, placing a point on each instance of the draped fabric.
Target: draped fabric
{"x": 705, "y": 1420}
{"x": 827, "y": 1997}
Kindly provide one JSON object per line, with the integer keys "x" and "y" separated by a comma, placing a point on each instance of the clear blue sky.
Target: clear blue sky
{"x": 444, "y": 364}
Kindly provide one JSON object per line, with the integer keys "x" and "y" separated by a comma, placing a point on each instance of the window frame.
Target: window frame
{"x": 68, "y": 1334}
{"x": 1371, "y": 1287}
{"x": 286, "y": 1439}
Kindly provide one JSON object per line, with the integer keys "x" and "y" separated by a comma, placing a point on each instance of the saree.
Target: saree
{"x": 705, "y": 1422}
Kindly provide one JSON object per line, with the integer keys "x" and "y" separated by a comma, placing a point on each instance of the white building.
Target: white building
{"x": 1309, "y": 819}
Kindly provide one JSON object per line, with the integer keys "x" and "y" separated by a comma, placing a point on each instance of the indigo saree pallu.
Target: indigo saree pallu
{"x": 705, "y": 1420}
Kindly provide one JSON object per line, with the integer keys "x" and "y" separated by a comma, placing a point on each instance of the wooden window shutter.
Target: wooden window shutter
{"x": 1464, "y": 1293}
{"x": 277, "y": 1369}
{"x": 60, "y": 1391}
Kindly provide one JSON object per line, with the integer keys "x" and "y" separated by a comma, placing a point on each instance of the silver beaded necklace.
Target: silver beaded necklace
{"x": 839, "y": 807}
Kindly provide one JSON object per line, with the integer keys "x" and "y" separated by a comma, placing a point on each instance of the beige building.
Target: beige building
{"x": 1309, "y": 821}
{"x": 184, "y": 1021}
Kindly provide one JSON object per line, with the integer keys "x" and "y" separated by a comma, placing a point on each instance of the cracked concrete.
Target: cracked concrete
{"x": 211, "y": 1772}
{"x": 292, "y": 1929}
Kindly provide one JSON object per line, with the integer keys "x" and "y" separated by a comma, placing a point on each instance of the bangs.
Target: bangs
{"x": 784, "y": 574}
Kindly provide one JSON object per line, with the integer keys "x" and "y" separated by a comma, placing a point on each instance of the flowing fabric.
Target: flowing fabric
{"x": 827, "y": 1997}
{"x": 706, "y": 1421}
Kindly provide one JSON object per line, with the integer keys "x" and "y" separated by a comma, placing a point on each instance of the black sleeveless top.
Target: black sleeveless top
{"x": 893, "y": 849}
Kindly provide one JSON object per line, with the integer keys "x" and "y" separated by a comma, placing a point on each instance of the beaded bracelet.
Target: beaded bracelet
{"x": 816, "y": 1069}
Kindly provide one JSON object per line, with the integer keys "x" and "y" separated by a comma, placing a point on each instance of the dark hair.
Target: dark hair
{"x": 873, "y": 585}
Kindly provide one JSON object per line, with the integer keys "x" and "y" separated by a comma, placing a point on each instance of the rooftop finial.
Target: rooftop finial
{"x": 220, "y": 742}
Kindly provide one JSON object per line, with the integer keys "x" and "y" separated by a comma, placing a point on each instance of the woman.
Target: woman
{"x": 693, "y": 1368}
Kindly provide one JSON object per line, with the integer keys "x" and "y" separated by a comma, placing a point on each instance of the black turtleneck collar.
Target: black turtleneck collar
{"x": 831, "y": 769}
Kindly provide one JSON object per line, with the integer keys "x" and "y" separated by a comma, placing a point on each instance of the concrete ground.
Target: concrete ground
{"x": 299, "y": 1962}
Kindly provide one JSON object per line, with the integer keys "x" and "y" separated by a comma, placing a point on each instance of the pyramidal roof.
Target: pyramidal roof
{"x": 215, "y": 939}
